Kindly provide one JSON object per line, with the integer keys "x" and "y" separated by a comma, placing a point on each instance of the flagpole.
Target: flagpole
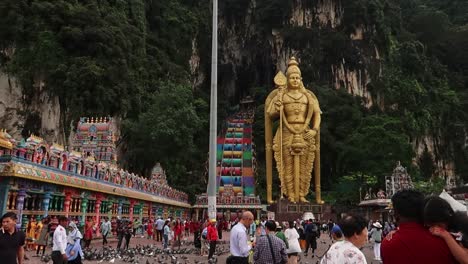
{"x": 213, "y": 115}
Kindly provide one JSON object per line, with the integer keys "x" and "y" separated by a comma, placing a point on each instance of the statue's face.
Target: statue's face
{"x": 294, "y": 81}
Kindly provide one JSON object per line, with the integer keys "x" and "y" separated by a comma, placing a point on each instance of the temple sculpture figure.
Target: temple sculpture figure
{"x": 296, "y": 144}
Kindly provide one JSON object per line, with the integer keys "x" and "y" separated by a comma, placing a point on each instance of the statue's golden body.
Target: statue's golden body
{"x": 296, "y": 142}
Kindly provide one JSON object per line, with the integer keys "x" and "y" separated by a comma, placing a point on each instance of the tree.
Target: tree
{"x": 374, "y": 147}
{"x": 166, "y": 133}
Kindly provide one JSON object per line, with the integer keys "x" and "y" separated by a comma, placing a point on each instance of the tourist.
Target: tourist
{"x": 294, "y": 248}
{"x": 187, "y": 227}
{"x": 253, "y": 228}
{"x": 105, "y": 230}
{"x": 128, "y": 232}
{"x": 387, "y": 229}
{"x": 376, "y": 237}
{"x": 412, "y": 243}
{"x": 30, "y": 233}
{"x": 279, "y": 233}
{"x": 136, "y": 226}
{"x": 149, "y": 229}
{"x": 219, "y": 226}
{"x": 330, "y": 227}
{"x": 166, "y": 232}
{"x": 88, "y": 232}
{"x": 336, "y": 233}
{"x": 204, "y": 239}
{"x": 53, "y": 223}
{"x": 73, "y": 250}
{"x": 239, "y": 246}
{"x": 12, "y": 241}
{"x": 177, "y": 229}
{"x": 212, "y": 237}
{"x": 354, "y": 229}
{"x": 59, "y": 255}
{"x": 121, "y": 227}
{"x": 443, "y": 222}
{"x": 302, "y": 237}
{"x": 43, "y": 237}
{"x": 311, "y": 234}
{"x": 37, "y": 233}
{"x": 269, "y": 248}
{"x": 159, "y": 229}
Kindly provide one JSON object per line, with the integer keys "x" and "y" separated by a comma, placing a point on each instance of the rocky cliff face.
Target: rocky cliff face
{"x": 22, "y": 114}
{"x": 250, "y": 55}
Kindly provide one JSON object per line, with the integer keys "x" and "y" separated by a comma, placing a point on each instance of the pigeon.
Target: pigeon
{"x": 45, "y": 258}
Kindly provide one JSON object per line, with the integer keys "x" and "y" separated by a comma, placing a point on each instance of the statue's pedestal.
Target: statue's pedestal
{"x": 287, "y": 211}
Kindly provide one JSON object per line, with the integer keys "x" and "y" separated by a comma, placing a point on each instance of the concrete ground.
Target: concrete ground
{"x": 188, "y": 254}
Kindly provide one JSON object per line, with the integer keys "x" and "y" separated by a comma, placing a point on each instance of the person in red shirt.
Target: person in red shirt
{"x": 149, "y": 229}
{"x": 412, "y": 243}
{"x": 195, "y": 229}
{"x": 212, "y": 237}
{"x": 177, "y": 233}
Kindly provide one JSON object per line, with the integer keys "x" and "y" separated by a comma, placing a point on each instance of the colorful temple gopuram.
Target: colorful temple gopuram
{"x": 236, "y": 168}
{"x": 39, "y": 179}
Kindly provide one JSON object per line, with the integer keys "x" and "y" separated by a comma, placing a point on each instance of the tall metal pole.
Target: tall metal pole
{"x": 213, "y": 115}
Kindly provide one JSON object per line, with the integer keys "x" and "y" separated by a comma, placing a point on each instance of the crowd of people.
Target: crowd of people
{"x": 427, "y": 230}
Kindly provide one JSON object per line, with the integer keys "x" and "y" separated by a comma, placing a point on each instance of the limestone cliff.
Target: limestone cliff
{"x": 22, "y": 114}
{"x": 251, "y": 51}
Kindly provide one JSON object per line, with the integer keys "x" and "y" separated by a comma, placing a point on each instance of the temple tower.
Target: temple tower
{"x": 96, "y": 137}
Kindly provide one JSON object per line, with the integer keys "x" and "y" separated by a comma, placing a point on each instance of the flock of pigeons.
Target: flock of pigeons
{"x": 151, "y": 254}
{"x": 148, "y": 254}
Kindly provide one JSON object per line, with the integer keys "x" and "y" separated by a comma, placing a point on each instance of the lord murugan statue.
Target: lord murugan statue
{"x": 296, "y": 144}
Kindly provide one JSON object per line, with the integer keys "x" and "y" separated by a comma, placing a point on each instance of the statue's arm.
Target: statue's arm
{"x": 272, "y": 108}
{"x": 316, "y": 119}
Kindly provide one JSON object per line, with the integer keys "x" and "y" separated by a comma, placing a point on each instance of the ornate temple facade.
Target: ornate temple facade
{"x": 95, "y": 137}
{"x": 39, "y": 179}
{"x": 378, "y": 203}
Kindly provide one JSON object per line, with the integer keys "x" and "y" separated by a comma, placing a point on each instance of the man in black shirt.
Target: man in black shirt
{"x": 11, "y": 241}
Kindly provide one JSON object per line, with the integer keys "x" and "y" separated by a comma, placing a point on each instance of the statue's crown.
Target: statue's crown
{"x": 293, "y": 67}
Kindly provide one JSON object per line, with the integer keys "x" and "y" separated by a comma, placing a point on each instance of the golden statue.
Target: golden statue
{"x": 296, "y": 144}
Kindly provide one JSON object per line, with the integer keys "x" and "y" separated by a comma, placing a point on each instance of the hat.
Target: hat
{"x": 278, "y": 226}
{"x": 213, "y": 220}
{"x": 377, "y": 224}
{"x": 336, "y": 229}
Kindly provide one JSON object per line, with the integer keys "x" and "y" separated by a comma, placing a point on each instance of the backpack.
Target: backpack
{"x": 204, "y": 233}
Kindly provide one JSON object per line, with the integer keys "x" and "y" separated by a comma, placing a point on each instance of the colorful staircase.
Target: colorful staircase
{"x": 234, "y": 157}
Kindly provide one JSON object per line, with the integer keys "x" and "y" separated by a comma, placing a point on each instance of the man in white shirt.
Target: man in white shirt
{"x": 105, "y": 230}
{"x": 239, "y": 240}
{"x": 159, "y": 229}
{"x": 60, "y": 242}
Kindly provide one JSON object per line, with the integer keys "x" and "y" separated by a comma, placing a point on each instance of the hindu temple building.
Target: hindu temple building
{"x": 236, "y": 169}
{"x": 39, "y": 179}
{"x": 378, "y": 204}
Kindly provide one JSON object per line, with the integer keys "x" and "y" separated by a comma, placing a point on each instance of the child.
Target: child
{"x": 440, "y": 217}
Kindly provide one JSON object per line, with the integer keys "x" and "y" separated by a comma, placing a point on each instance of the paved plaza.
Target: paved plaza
{"x": 187, "y": 254}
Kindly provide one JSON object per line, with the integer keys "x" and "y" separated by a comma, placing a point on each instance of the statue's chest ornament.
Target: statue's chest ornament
{"x": 295, "y": 103}
{"x": 296, "y": 97}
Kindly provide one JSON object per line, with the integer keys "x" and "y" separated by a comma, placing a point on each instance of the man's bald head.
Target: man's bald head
{"x": 246, "y": 215}
{"x": 247, "y": 218}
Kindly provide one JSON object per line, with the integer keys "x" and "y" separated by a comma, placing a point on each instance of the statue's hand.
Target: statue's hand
{"x": 278, "y": 105}
{"x": 310, "y": 134}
